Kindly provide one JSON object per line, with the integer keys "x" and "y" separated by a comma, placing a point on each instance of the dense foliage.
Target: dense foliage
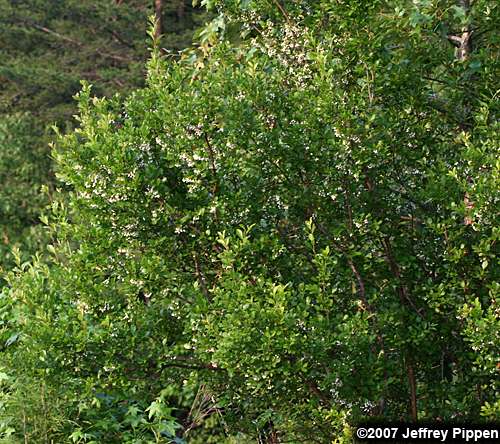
{"x": 46, "y": 49}
{"x": 287, "y": 231}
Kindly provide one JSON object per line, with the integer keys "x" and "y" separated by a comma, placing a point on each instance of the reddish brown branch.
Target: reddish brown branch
{"x": 158, "y": 19}
{"x": 200, "y": 277}
{"x": 394, "y": 267}
{"x": 313, "y": 387}
{"x": 189, "y": 363}
{"x": 211, "y": 156}
{"x": 361, "y": 284}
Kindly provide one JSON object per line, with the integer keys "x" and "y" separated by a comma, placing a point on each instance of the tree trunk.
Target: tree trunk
{"x": 181, "y": 9}
{"x": 158, "y": 19}
{"x": 462, "y": 53}
{"x": 464, "y": 40}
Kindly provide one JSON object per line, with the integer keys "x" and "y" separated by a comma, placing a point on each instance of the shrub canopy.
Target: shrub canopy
{"x": 289, "y": 230}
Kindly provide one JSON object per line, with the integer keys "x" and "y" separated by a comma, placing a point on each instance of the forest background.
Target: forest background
{"x": 264, "y": 221}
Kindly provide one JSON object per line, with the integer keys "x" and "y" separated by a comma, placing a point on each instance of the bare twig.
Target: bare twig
{"x": 184, "y": 362}
{"x": 76, "y": 42}
{"x": 56, "y": 34}
{"x": 200, "y": 277}
{"x": 282, "y": 10}
{"x": 120, "y": 39}
{"x": 211, "y": 156}
{"x": 361, "y": 284}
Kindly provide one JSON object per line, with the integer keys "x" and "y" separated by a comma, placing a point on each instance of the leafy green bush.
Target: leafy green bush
{"x": 302, "y": 223}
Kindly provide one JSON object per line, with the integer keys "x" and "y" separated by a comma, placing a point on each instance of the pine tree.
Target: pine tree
{"x": 46, "y": 49}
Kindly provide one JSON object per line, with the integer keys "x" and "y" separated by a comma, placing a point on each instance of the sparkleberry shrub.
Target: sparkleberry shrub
{"x": 283, "y": 233}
